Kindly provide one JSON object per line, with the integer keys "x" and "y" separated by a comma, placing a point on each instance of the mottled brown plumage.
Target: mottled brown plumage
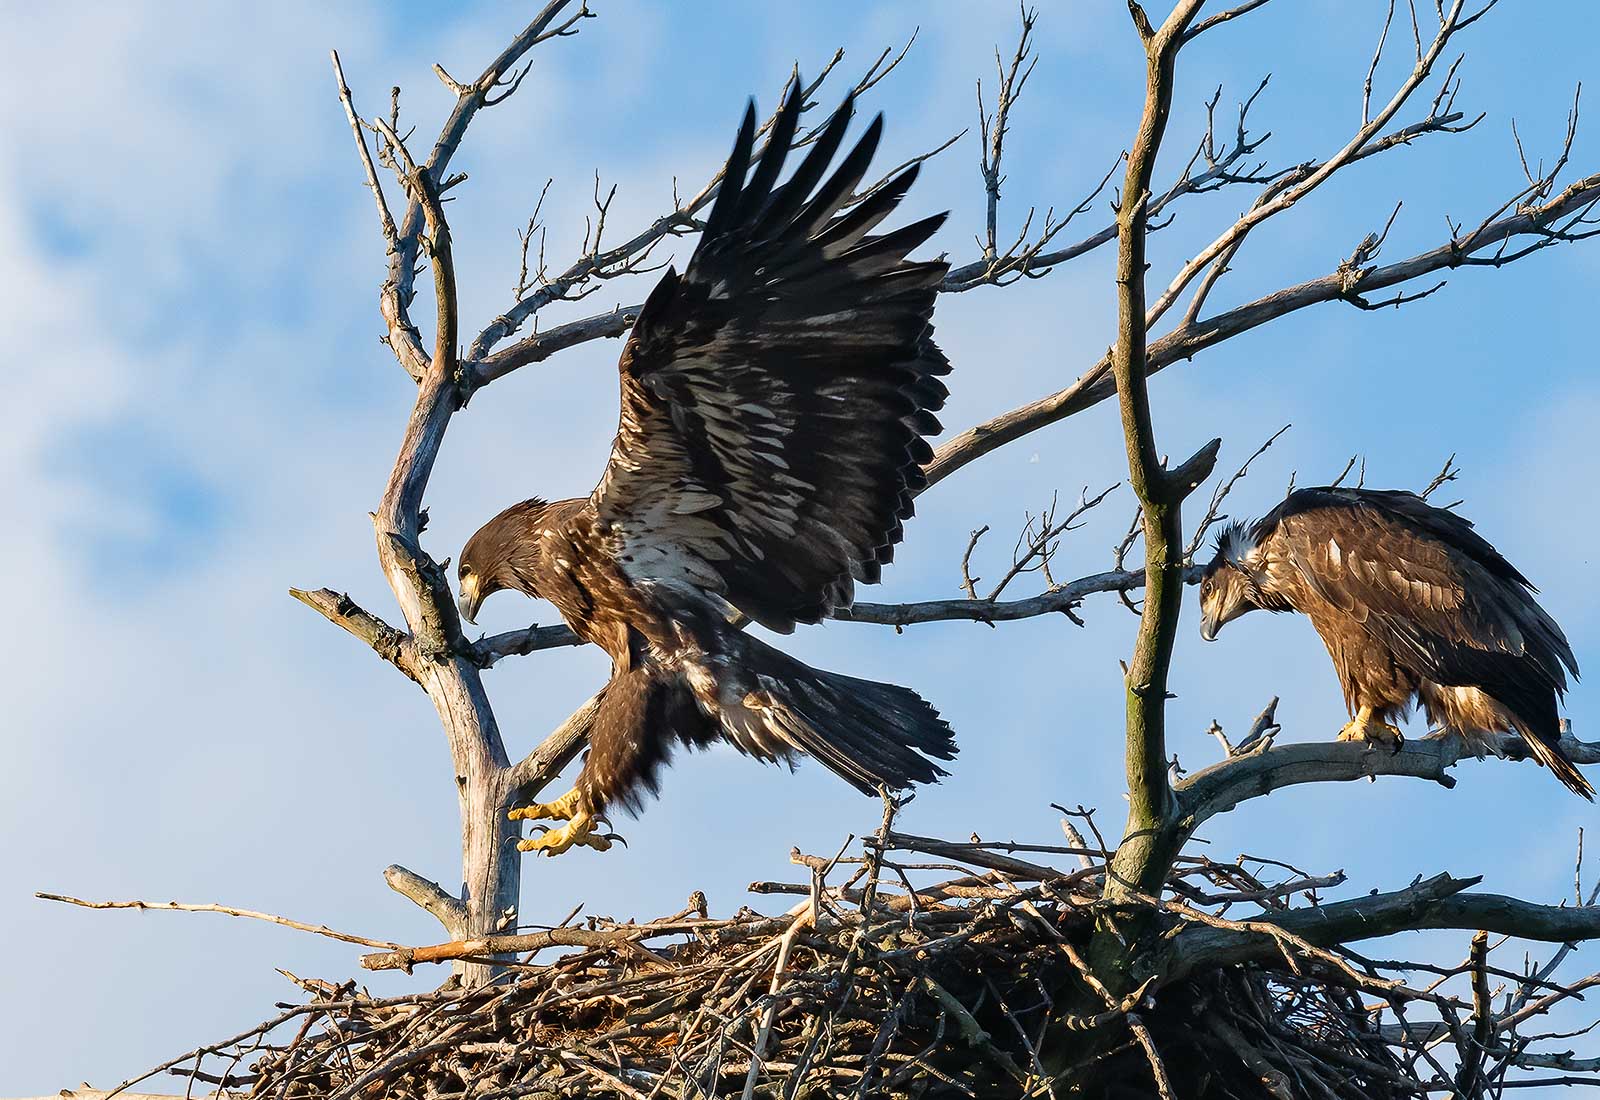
{"x": 775, "y": 397}
{"x": 1412, "y": 603}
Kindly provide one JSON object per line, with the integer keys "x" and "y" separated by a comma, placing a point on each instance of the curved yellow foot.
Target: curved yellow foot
{"x": 1366, "y": 727}
{"x": 564, "y": 808}
{"x": 578, "y": 830}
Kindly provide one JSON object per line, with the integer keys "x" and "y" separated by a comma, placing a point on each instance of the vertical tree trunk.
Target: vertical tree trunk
{"x": 1150, "y": 839}
{"x": 491, "y": 866}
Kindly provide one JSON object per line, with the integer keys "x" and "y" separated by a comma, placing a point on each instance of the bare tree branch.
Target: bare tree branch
{"x": 1320, "y": 926}
{"x": 1220, "y": 494}
{"x": 1058, "y": 600}
{"x": 1438, "y": 902}
{"x": 390, "y": 234}
{"x": 1541, "y": 222}
{"x": 427, "y": 894}
{"x": 394, "y": 646}
{"x": 1221, "y": 17}
{"x": 1286, "y": 192}
{"x": 993, "y": 128}
{"x": 225, "y": 910}
{"x": 1223, "y": 786}
{"x": 404, "y": 958}
{"x": 517, "y": 643}
{"x": 530, "y": 774}
{"x": 435, "y": 654}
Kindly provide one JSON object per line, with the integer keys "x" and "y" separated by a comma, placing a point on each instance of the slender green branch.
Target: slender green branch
{"x": 1150, "y": 839}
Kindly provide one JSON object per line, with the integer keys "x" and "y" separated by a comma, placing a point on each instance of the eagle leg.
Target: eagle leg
{"x": 1366, "y": 727}
{"x": 578, "y": 830}
{"x": 564, "y": 808}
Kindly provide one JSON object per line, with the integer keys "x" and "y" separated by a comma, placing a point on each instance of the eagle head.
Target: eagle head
{"x": 500, "y": 555}
{"x": 1228, "y": 587}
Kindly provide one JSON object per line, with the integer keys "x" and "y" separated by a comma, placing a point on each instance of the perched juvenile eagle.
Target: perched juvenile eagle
{"x": 775, "y": 397}
{"x": 1411, "y": 602}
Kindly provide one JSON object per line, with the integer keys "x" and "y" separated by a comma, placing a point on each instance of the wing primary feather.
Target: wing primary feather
{"x": 850, "y": 228}
{"x": 792, "y": 195}
{"x": 773, "y": 154}
{"x": 722, "y": 211}
{"x": 893, "y": 246}
{"x": 841, "y": 185}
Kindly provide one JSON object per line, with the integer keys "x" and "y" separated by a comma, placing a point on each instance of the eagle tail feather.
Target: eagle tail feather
{"x": 1550, "y": 754}
{"x": 870, "y": 734}
{"x": 1514, "y": 685}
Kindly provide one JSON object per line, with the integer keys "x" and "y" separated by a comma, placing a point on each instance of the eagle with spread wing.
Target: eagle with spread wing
{"x": 1412, "y": 603}
{"x": 775, "y": 400}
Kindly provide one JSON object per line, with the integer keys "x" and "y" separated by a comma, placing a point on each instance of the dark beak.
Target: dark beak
{"x": 468, "y": 606}
{"x": 1208, "y": 628}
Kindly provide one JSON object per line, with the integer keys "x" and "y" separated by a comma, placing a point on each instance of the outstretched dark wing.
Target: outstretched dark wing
{"x": 1422, "y": 581}
{"x": 775, "y": 396}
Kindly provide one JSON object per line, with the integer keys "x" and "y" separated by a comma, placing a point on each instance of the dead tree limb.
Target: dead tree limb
{"x": 1438, "y": 902}
{"x": 1484, "y": 245}
{"x": 225, "y": 910}
{"x": 434, "y": 653}
{"x": 1223, "y": 786}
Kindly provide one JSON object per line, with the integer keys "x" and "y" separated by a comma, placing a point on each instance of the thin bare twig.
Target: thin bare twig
{"x": 225, "y": 910}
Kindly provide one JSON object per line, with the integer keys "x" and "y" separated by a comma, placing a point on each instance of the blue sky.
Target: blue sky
{"x": 202, "y": 416}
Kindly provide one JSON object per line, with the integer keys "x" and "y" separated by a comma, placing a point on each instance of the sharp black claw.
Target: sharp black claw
{"x": 617, "y": 838}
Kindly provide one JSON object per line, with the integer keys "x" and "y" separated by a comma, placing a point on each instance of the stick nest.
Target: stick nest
{"x": 975, "y": 985}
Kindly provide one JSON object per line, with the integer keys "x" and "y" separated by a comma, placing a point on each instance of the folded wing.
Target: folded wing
{"x": 1422, "y": 581}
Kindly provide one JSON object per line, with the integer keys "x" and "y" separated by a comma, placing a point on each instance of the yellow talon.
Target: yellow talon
{"x": 578, "y": 830}
{"x": 565, "y": 808}
{"x": 1365, "y": 727}
{"x": 579, "y": 827}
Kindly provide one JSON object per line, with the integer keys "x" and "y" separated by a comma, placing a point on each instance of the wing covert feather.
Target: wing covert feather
{"x": 1420, "y": 580}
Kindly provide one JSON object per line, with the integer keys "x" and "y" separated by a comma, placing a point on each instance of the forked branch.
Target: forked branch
{"x": 434, "y": 653}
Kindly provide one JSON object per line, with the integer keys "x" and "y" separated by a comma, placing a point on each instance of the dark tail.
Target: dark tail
{"x": 1546, "y": 749}
{"x": 1531, "y": 705}
{"x": 1520, "y": 692}
{"x": 868, "y": 734}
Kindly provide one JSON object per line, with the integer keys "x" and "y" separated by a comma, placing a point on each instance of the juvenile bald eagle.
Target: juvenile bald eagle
{"x": 775, "y": 397}
{"x": 1411, "y": 602}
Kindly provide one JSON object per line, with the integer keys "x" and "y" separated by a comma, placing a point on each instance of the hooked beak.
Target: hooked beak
{"x": 468, "y": 603}
{"x": 1209, "y": 627}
